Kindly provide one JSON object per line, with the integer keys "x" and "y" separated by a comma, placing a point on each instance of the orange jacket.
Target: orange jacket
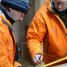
{"x": 48, "y": 28}
{"x": 7, "y": 47}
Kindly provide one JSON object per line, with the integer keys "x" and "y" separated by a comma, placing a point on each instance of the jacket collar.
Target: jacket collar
{"x": 56, "y": 15}
{"x": 3, "y": 12}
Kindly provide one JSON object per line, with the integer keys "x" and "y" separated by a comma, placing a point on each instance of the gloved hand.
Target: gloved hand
{"x": 38, "y": 59}
{"x": 20, "y": 65}
{"x": 17, "y": 64}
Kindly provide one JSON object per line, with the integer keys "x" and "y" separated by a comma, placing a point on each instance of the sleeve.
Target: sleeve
{"x": 4, "y": 60}
{"x": 35, "y": 34}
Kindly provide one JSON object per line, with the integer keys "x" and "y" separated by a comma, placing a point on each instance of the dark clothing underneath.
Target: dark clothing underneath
{"x": 4, "y": 11}
{"x": 64, "y": 19}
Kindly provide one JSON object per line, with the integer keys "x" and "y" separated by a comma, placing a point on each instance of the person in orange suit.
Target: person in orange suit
{"x": 10, "y": 11}
{"x": 48, "y": 29}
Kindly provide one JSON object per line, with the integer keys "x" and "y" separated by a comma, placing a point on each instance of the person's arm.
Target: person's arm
{"x": 35, "y": 34}
{"x": 4, "y": 60}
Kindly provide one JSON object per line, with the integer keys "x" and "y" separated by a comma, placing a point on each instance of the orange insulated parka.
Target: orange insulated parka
{"x": 7, "y": 45}
{"x": 47, "y": 28}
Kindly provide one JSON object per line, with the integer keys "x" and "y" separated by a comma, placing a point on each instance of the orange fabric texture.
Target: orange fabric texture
{"x": 48, "y": 28}
{"x": 7, "y": 47}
